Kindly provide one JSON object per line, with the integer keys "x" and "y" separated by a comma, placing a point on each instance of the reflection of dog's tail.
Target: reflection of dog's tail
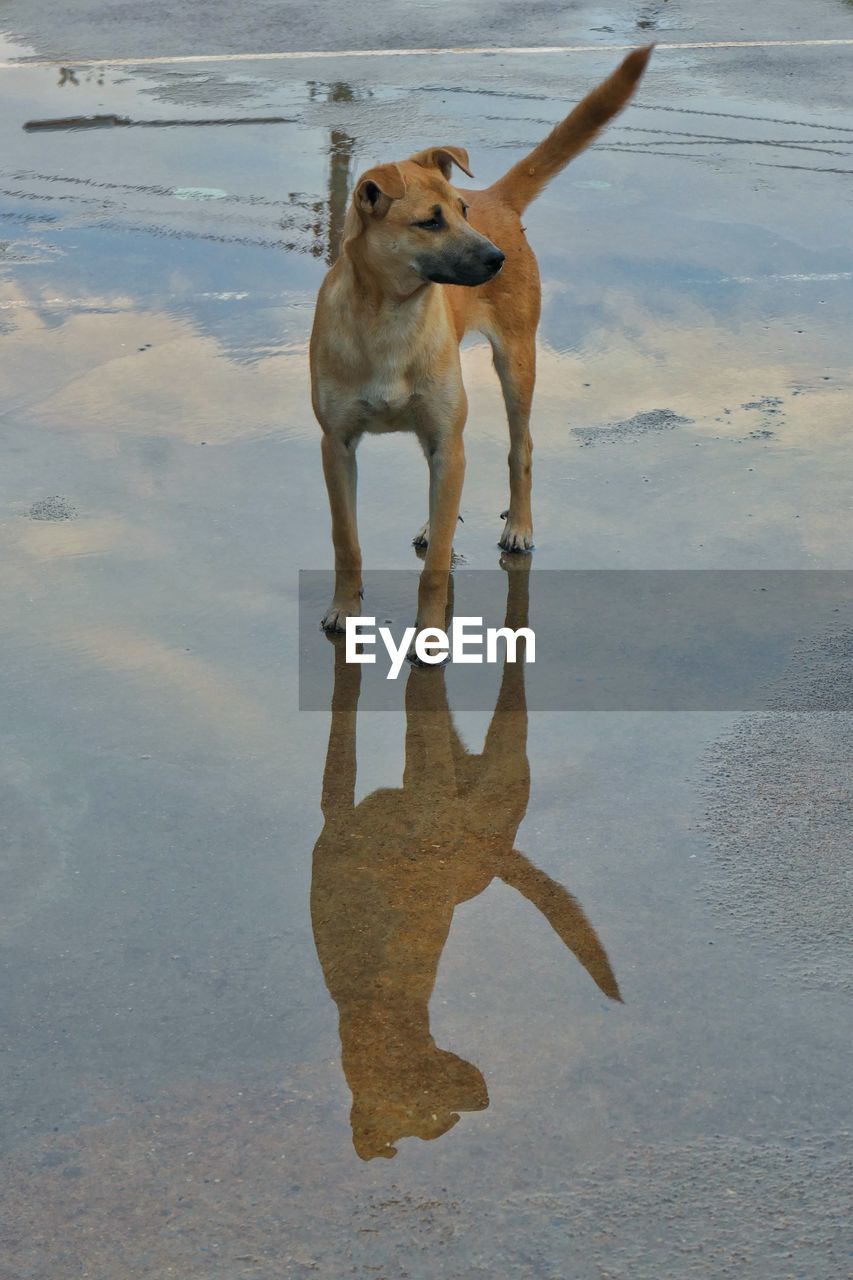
{"x": 565, "y": 916}
{"x": 525, "y": 180}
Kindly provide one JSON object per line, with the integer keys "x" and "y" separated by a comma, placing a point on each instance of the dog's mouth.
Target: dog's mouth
{"x": 468, "y": 278}
{"x": 467, "y": 271}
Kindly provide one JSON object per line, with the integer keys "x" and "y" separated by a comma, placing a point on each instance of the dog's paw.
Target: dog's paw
{"x": 335, "y": 617}
{"x": 517, "y": 538}
{"x": 421, "y": 538}
{"x": 415, "y": 660}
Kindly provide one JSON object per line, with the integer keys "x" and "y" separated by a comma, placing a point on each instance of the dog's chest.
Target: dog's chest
{"x": 390, "y": 372}
{"x": 384, "y": 398}
{"x": 388, "y": 387}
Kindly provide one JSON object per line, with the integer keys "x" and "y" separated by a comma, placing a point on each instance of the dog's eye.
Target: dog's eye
{"x": 431, "y": 224}
{"x": 464, "y": 208}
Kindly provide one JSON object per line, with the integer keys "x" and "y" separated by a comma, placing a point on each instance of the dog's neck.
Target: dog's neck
{"x": 378, "y": 286}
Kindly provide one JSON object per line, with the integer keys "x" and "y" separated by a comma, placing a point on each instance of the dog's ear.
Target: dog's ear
{"x": 377, "y": 188}
{"x": 444, "y": 158}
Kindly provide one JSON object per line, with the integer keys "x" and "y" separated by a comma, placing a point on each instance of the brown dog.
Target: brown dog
{"x": 419, "y": 267}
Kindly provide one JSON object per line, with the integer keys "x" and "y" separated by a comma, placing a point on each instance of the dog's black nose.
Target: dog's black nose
{"x": 494, "y": 260}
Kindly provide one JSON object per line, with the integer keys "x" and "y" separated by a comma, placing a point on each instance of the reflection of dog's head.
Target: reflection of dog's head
{"x": 422, "y": 1099}
{"x": 414, "y": 220}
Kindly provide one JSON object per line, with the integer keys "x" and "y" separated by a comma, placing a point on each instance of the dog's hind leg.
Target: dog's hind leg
{"x": 515, "y": 362}
{"x": 340, "y": 471}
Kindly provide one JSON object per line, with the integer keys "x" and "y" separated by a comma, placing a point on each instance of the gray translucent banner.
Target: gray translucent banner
{"x": 617, "y": 640}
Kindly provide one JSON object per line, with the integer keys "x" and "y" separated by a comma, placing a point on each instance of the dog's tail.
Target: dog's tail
{"x": 525, "y": 180}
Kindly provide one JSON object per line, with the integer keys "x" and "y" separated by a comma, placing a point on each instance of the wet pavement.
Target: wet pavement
{"x": 584, "y": 973}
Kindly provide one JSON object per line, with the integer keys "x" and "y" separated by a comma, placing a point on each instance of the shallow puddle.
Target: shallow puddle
{"x": 580, "y": 972}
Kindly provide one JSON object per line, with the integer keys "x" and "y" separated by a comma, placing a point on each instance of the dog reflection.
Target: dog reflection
{"x": 388, "y": 874}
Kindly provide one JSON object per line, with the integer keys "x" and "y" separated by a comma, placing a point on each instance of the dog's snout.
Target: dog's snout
{"x": 469, "y": 261}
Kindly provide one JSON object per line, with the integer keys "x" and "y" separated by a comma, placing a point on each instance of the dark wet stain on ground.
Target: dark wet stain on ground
{"x": 768, "y": 404}
{"x": 640, "y": 424}
{"x": 54, "y": 507}
{"x": 770, "y": 407}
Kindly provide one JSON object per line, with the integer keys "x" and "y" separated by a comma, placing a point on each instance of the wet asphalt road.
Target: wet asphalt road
{"x": 109, "y": 28}
{"x": 216, "y": 1017}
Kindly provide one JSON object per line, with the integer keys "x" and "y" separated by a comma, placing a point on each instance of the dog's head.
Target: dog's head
{"x": 416, "y": 223}
{"x": 422, "y": 1097}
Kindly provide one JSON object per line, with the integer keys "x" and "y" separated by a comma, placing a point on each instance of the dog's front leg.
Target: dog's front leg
{"x": 446, "y": 457}
{"x": 340, "y": 471}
